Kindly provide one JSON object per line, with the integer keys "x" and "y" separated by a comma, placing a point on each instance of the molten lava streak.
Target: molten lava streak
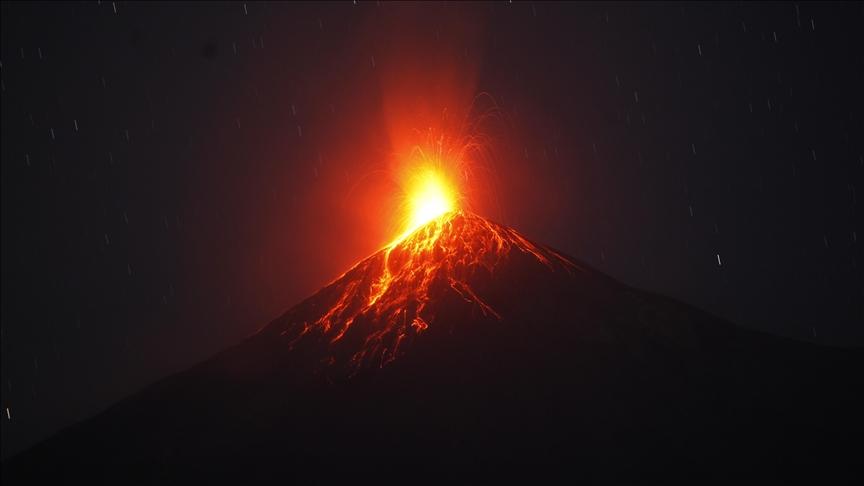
{"x": 373, "y": 311}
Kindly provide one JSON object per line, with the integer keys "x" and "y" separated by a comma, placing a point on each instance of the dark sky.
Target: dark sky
{"x": 174, "y": 177}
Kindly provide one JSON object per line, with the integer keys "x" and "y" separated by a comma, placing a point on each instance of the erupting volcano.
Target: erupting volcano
{"x": 361, "y": 235}
{"x": 462, "y": 347}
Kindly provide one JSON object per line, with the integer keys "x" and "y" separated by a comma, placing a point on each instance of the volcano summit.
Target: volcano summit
{"x": 465, "y": 348}
{"x": 366, "y": 317}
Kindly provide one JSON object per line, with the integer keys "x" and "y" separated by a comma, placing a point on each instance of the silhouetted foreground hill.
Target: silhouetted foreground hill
{"x": 468, "y": 351}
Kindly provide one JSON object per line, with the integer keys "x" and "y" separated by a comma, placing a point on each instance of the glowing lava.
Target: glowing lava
{"x": 370, "y": 314}
{"x": 429, "y": 196}
{"x": 431, "y": 178}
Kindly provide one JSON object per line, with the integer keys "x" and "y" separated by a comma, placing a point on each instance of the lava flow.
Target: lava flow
{"x": 386, "y": 300}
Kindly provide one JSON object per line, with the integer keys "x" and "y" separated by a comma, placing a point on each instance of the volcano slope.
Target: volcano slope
{"x": 467, "y": 350}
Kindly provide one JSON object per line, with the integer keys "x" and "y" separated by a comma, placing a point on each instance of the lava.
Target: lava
{"x": 429, "y": 196}
{"x": 390, "y": 298}
{"x": 429, "y": 181}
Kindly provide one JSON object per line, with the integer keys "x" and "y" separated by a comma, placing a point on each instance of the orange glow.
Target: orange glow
{"x": 439, "y": 160}
{"x": 431, "y": 197}
{"x": 436, "y": 177}
{"x": 428, "y": 195}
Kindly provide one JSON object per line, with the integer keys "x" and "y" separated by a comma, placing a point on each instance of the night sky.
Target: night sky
{"x": 174, "y": 177}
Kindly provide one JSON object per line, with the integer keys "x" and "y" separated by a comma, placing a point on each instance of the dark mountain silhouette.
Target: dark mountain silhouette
{"x": 469, "y": 351}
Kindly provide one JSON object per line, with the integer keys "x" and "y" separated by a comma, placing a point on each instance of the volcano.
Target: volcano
{"x": 468, "y": 350}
